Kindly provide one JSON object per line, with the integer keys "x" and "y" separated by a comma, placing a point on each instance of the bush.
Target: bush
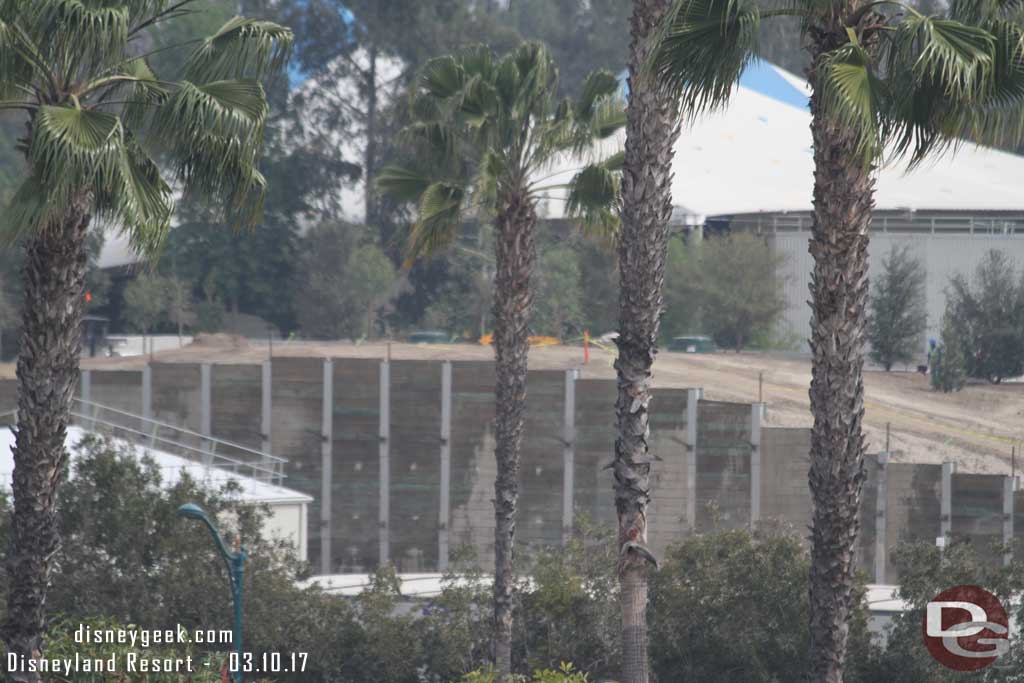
{"x": 565, "y": 674}
{"x": 732, "y": 606}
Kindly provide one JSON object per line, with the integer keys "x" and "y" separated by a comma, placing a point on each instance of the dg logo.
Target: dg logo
{"x": 966, "y": 628}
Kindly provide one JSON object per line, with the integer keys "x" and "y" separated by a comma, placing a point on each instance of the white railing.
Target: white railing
{"x": 148, "y": 433}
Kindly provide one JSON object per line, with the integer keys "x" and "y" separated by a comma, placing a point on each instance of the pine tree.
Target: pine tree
{"x": 898, "y": 319}
{"x": 948, "y": 364}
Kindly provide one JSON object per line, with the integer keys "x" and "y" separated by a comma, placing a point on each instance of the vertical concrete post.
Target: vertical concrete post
{"x": 444, "y": 513}
{"x": 568, "y": 454}
{"x": 385, "y": 460}
{"x": 948, "y": 470}
{"x": 881, "y": 518}
{"x": 266, "y": 405}
{"x": 326, "y": 466}
{"x": 693, "y": 397}
{"x": 205, "y": 399}
{"x": 85, "y": 386}
{"x": 1008, "y": 519}
{"x": 756, "y": 418}
{"x": 147, "y": 392}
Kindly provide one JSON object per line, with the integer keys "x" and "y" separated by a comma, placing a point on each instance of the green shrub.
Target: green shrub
{"x": 566, "y": 673}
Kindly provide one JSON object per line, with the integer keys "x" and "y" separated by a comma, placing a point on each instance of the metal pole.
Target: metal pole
{"x": 384, "y": 456}
{"x": 760, "y": 387}
{"x": 568, "y": 455}
{"x": 444, "y": 513}
{"x": 756, "y": 418}
{"x": 237, "y": 576}
{"x": 326, "y": 466}
{"x": 887, "y": 426}
{"x": 693, "y": 397}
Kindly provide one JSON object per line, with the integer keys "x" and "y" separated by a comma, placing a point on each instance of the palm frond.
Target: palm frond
{"x": 597, "y": 87}
{"x": 241, "y": 48}
{"x": 945, "y": 51}
{"x": 853, "y": 96}
{"x": 997, "y": 117}
{"x": 594, "y": 198}
{"x": 144, "y": 92}
{"x": 440, "y": 216}
{"x": 404, "y": 184}
{"x": 436, "y": 140}
{"x": 223, "y": 108}
{"x": 99, "y": 30}
{"x": 29, "y": 209}
{"x": 700, "y": 50}
{"x": 72, "y": 149}
{"x": 21, "y": 62}
{"x": 442, "y": 77}
{"x": 214, "y": 133}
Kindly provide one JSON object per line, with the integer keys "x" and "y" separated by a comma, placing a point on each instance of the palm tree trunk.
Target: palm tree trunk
{"x": 47, "y": 376}
{"x": 514, "y": 256}
{"x": 843, "y": 199}
{"x": 651, "y": 132}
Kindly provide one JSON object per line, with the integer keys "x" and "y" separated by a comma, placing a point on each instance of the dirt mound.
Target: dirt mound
{"x": 219, "y": 342}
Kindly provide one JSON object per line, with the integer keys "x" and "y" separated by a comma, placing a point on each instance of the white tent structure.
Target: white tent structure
{"x": 288, "y": 509}
{"x": 755, "y": 157}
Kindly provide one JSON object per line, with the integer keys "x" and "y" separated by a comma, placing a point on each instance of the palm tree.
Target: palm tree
{"x": 646, "y": 206}
{"x": 488, "y": 131}
{"x": 886, "y": 81}
{"x": 95, "y": 112}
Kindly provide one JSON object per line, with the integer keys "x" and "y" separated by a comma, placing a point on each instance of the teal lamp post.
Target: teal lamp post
{"x": 235, "y": 563}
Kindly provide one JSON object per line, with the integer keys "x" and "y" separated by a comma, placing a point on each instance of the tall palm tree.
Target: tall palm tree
{"x": 487, "y": 132}
{"x": 646, "y": 207}
{"x": 95, "y": 112}
{"x": 886, "y": 81}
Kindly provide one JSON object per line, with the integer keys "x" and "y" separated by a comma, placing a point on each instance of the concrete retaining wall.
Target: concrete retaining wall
{"x": 399, "y": 459}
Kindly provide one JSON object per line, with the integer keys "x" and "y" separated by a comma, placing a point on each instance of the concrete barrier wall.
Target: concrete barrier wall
{"x": 355, "y": 484}
{"x": 723, "y": 465}
{"x": 595, "y": 449}
{"x": 541, "y": 464}
{"x": 119, "y": 389}
{"x": 667, "y": 515}
{"x": 913, "y": 508}
{"x": 415, "y": 464}
{"x": 400, "y": 460}
{"x": 472, "y": 460}
{"x": 8, "y": 395}
{"x": 978, "y": 514}
{"x": 235, "y": 396}
{"x": 785, "y": 495}
{"x": 176, "y": 398}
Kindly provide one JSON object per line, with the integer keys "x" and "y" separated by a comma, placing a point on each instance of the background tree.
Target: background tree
{"x": 486, "y": 128}
{"x": 371, "y": 282}
{"x": 884, "y": 79}
{"x": 91, "y": 103}
{"x": 682, "y": 289}
{"x": 987, "y": 315}
{"x": 559, "y": 295}
{"x": 740, "y": 288}
{"x": 948, "y": 371}
{"x": 147, "y": 301}
{"x": 651, "y": 132}
{"x": 343, "y": 281}
{"x": 898, "y": 319}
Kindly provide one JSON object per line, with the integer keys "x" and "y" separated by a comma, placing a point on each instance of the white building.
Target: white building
{"x": 751, "y": 167}
{"x": 288, "y": 509}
